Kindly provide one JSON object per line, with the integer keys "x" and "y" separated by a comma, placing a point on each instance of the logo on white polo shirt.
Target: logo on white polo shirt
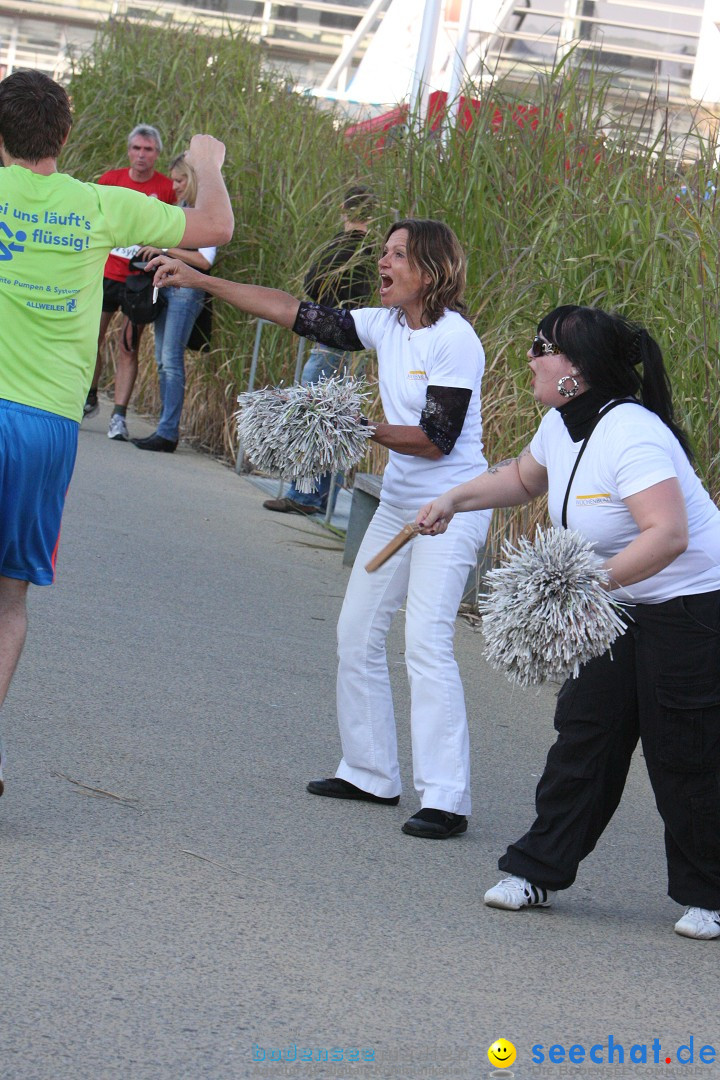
{"x": 417, "y": 374}
{"x": 596, "y": 499}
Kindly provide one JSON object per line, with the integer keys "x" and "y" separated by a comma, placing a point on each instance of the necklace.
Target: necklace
{"x": 411, "y": 329}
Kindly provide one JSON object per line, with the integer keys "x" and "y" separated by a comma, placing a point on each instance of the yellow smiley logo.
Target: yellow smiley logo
{"x": 502, "y": 1054}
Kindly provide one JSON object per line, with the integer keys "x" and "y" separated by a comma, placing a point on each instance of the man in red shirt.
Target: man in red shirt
{"x": 144, "y": 145}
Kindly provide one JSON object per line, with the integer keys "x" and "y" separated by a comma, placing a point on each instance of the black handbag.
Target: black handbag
{"x": 139, "y": 306}
{"x": 138, "y": 302}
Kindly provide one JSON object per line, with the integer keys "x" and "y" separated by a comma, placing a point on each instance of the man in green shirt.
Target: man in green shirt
{"x": 55, "y": 235}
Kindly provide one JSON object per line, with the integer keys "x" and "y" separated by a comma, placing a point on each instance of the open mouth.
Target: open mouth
{"x": 385, "y": 282}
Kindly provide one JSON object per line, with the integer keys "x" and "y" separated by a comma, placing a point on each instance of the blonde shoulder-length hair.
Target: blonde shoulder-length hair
{"x": 185, "y": 168}
{"x": 434, "y": 249}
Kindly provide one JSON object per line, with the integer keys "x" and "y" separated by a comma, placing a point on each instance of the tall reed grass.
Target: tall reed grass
{"x": 568, "y": 209}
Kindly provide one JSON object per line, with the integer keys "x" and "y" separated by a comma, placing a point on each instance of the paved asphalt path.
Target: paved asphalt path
{"x": 174, "y": 905}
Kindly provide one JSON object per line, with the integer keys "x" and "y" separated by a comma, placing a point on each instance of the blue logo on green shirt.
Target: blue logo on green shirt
{"x": 7, "y": 250}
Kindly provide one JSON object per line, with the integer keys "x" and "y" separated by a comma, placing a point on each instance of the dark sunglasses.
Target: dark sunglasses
{"x": 544, "y": 348}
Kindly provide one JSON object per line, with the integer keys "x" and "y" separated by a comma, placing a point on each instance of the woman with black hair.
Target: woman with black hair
{"x": 430, "y": 366}
{"x": 616, "y": 468}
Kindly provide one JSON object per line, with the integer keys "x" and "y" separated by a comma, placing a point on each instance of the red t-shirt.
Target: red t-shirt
{"x": 159, "y": 187}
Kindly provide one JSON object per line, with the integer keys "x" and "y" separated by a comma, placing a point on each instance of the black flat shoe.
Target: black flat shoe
{"x": 435, "y": 824}
{"x": 156, "y": 442}
{"x": 335, "y": 788}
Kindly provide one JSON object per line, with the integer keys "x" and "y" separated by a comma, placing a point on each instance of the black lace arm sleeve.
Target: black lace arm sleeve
{"x": 333, "y": 327}
{"x": 444, "y": 414}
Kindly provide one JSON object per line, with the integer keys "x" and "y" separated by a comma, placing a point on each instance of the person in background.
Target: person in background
{"x": 617, "y": 468}
{"x": 342, "y": 276}
{"x": 144, "y": 146}
{"x": 175, "y": 322}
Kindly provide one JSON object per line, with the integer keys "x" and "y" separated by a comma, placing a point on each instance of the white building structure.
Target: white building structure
{"x": 377, "y": 53}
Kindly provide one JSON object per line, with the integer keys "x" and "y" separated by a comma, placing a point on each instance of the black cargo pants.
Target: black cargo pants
{"x": 663, "y": 685}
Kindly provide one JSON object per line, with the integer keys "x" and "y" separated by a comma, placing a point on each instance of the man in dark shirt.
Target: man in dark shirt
{"x": 343, "y": 275}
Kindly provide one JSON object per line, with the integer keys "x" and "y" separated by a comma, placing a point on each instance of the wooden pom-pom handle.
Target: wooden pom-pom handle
{"x": 406, "y": 533}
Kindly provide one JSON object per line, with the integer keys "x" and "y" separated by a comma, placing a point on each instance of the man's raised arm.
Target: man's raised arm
{"x": 210, "y": 222}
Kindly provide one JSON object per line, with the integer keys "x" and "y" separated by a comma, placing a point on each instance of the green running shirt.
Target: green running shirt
{"x": 55, "y": 235}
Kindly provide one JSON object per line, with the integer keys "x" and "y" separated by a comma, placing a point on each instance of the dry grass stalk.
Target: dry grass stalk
{"x": 97, "y": 792}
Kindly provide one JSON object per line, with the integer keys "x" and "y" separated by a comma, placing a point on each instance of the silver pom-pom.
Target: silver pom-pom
{"x": 547, "y": 613}
{"x": 302, "y": 432}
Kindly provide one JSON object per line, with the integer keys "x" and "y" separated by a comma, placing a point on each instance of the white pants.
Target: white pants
{"x": 431, "y": 571}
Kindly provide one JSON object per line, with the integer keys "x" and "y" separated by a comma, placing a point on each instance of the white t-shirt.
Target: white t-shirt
{"x": 630, "y": 450}
{"x": 448, "y": 353}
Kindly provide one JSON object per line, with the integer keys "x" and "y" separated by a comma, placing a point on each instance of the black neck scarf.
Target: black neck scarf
{"x": 580, "y": 412}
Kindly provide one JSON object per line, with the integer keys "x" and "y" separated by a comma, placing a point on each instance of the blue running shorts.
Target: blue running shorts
{"x": 37, "y": 457}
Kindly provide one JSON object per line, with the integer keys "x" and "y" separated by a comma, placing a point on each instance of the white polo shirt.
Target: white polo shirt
{"x": 449, "y": 353}
{"x": 630, "y": 450}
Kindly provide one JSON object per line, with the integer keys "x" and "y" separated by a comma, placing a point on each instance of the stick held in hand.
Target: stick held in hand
{"x": 406, "y": 533}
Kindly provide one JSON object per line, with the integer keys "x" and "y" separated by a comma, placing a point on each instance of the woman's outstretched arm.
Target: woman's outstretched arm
{"x": 271, "y": 304}
{"x": 187, "y": 255}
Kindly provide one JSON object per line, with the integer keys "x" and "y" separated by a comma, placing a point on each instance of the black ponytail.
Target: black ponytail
{"x": 616, "y": 357}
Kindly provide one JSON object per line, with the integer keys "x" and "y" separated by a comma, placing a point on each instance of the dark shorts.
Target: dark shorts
{"x": 37, "y": 457}
{"x": 113, "y": 294}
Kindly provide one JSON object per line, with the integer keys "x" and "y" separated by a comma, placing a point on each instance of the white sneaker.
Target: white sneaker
{"x": 699, "y": 922}
{"x": 118, "y": 428}
{"x": 513, "y": 893}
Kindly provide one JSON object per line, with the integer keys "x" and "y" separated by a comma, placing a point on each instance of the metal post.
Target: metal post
{"x": 342, "y": 75}
{"x": 299, "y": 360}
{"x": 266, "y": 17}
{"x": 420, "y": 87}
{"x": 331, "y": 498}
{"x": 256, "y": 353}
{"x": 351, "y": 42}
{"x": 459, "y": 73}
{"x": 12, "y": 50}
{"x": 568, "y": 26}
{"x": 240, "y": 466}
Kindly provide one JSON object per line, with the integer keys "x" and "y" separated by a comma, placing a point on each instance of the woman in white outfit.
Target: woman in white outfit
{"x": 430, "y": 364}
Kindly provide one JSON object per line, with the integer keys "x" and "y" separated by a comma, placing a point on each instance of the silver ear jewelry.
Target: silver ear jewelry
{"x": 562, "y": 389}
